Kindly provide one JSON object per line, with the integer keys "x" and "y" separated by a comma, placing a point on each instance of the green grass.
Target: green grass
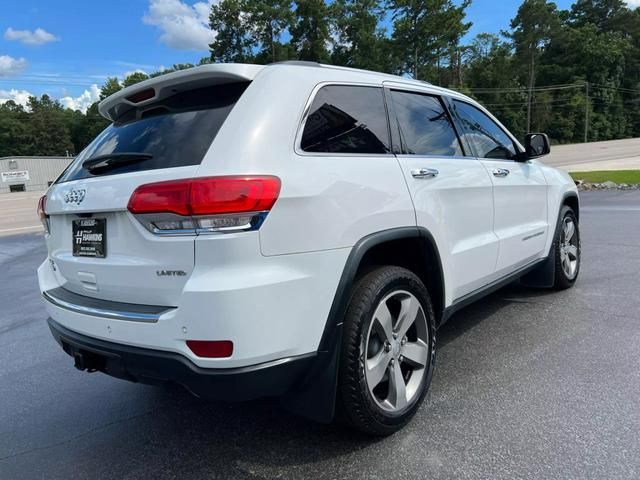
{"x": 617, "y": 176}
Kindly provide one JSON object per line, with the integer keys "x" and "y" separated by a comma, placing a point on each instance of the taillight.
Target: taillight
{"x": 205, "y": 205}
{"x": 42, "y": 213}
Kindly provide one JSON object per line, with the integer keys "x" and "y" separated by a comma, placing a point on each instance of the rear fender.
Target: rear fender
{"x": 315, "y": 395}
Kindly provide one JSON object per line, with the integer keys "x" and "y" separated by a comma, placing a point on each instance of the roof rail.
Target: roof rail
{"x": 302, "y": 63}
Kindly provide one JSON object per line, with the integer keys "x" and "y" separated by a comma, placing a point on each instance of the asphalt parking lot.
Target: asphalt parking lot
{"x": 528, "y": 384}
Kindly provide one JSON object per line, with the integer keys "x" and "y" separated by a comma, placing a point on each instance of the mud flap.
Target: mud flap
{"x": 542, "y": 276}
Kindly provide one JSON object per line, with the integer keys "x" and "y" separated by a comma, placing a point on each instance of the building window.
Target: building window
{"x": 13, "y": 164}
{"x": 18, "y": 187}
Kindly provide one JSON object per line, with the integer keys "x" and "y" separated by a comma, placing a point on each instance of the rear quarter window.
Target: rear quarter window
{"x": 347, "y": 119}
{"x": 175, "y": 132}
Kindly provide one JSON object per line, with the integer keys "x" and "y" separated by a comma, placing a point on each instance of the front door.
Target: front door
{"x": 519, "y": 193}
{"x": 451, "y": 192}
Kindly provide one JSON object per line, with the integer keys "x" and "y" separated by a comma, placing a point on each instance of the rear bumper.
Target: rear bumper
{"x": 274, "y": 378}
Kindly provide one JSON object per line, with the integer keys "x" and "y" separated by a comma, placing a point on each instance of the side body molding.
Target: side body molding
{"x": 315, "y": 395}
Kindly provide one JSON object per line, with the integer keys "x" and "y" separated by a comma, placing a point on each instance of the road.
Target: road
{"x": 611, "y": 155}
{"x": 528, "y": 384}
{"x": 18, "y": 213}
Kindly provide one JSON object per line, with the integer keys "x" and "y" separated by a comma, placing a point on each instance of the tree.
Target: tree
{"x": 604, "y": 14}
{"x": 134, "y": 78}
{"x": 111, "y": 86}
{"x": 310, "y": 31}
{"x": 423, "y": 30}
{"x": 361, "y": 42}
{"x": 235, "y": 36}
{"x": 14, "y": 130}
{"x": 455, "y": 28}
{"x": 49, "y": 133}
{"x": 489, "y": 65}
{"x": 269, "y": 19}
{"x": 532, "y": 28}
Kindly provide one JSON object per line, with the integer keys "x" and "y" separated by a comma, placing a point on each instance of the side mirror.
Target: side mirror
{"x": 537, "y": 145}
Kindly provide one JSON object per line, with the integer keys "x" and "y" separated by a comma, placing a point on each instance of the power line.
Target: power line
{"x": 525, "y": 89}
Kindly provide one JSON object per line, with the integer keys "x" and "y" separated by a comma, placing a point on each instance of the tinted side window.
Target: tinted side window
{"x": 486, "y": 137}
{"x": 347, "y": 119}
{"x": 425, "y": 127}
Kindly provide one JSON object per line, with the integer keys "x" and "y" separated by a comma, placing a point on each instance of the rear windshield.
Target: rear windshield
{"x": 174, "y": 132}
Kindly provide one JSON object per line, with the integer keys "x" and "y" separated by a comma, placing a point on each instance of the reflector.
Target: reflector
{"x": 211, "y": 348}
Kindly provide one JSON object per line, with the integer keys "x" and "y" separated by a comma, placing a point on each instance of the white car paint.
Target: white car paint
{"x": 270, "y": 291}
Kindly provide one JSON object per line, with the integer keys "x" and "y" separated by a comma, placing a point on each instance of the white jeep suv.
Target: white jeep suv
{"x": 294, "y": 230}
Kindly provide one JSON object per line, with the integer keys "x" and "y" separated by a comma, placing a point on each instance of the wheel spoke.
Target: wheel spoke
{"x": 416, "y": 353}
{"x": 376, "y": 367}
{"x": 567, "y": 265}
{"x": 384, "y": 322}
{"x": 569, "y": 231}
{"x": 395, "y": 351}
{"x": 409, "y": 309}
{"x": 397, "y": 388}
{"x": 572, "y": 250}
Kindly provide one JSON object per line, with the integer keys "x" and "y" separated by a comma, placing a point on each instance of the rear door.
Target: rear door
{"x": 452, "y": 193}
{"x": 520, "y": 188}
{"x": 98, "y": 248}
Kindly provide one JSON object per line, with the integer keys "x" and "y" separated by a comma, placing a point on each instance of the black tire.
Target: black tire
{"x": 562, "y": 280}
{"x": 357, "y": 406}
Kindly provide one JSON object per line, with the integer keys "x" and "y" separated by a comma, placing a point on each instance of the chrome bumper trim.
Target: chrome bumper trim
{"x": 74, "y": 302}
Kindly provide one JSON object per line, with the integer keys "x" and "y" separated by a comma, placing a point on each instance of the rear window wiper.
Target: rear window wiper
{"x": 104, "y": 163}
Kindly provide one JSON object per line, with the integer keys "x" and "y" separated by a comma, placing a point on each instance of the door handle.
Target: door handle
{"x": 424, "y": 173}
{"x": 500, "y": 172}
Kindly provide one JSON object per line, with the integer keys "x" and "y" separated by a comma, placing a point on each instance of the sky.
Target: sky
{"x": 67, "y": 48}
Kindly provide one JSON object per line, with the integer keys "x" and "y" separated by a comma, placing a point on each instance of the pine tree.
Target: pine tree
{"x": 310, "y": 30}
{"x": 235, "y": 36}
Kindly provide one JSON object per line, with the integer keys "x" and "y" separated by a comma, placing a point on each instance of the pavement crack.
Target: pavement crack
{"x": 76, "y": 437}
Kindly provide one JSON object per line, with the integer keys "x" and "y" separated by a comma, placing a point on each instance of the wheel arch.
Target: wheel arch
{"x": 543, "y": 276}
{"x": 316, "y": 394}
{"x": 571, "y": 199}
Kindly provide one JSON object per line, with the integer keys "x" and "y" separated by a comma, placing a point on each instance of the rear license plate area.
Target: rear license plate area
{"x": 89, "y": 237}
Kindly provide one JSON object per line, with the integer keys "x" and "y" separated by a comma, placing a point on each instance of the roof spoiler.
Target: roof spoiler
{"x": 163, "y": 86}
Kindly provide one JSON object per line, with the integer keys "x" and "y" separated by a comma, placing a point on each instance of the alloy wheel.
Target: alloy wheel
{"x": 396, "y": 351}
{"x": 569, "y": 252}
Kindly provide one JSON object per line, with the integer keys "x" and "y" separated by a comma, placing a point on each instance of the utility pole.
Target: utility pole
{"x": 530, "y": 96}
{"x": 586, "y": 112}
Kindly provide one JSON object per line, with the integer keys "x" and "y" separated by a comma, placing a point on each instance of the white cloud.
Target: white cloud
{"x": 84, "y": 101}
{"x": 131, "y": 72}
{"x": 81, "y": 102}
{"x": 19, "y": 96}
{"x": 38, "y": 37}
{"x": 633, "y": 3}
{"x": 183, "y": 26}
{"x": 10, "y": 67}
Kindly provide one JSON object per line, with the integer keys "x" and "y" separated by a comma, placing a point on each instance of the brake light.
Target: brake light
{"x": 42, "y": 213}
{"x": 142, "y": 95}
{"x": 211, "y": 204}
{"x": 211, "y": 348}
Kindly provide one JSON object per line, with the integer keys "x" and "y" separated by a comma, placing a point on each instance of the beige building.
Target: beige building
{"x": 30, "y": 174}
